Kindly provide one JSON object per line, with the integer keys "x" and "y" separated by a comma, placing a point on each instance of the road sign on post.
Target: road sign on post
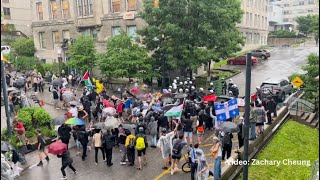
{"x": 297, "y": 82}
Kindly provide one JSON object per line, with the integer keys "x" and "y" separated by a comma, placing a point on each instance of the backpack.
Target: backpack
{"x": 140, "y": 144}
{"x": 227, "y": 139}
{"x": 177, "y": 148}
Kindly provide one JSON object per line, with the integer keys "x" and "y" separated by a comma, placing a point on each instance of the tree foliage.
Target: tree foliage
{"x": 312, "y": 69}
{"x": 315, "y": 27}
{"x": 305, "y": 24}
{"x": 82, "y": 53}
{"x": 192, "y": 32}
{"x": 23, "y": 47}
{"x": 284, "y": 34}
{"x": 124, "y": 58}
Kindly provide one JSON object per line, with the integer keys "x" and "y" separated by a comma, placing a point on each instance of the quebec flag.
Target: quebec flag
{"x": 226, "y": 110}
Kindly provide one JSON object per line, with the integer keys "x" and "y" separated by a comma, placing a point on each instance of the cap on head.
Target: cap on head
{"x": 186, "y": 90}
{"x": 186, "y": 82}
{"x": 201, "y": 89}
{"x": 181, "y": 83}
{"x": 190, "y": 82}
{"x": 180, "y": 90}
{"x": 169, "y": 90}
{"x": 170, "y": 87}
{"x": 211, "y": 91}
{"x": 211, "y": 84}
{"x": 192, "y": 87}
{"x": 188, "y": 79}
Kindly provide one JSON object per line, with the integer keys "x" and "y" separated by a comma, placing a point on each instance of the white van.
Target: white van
{"x": 5, "y": 49}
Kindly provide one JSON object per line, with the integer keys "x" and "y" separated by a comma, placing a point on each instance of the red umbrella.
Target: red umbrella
{"x": 210, "y": 97}
{"x": 135, "y": 90}
{"x": 57, "y": 148}
{"x": 107, "y": 103}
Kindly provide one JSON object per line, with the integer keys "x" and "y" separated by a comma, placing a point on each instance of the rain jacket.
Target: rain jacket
{"x": 6, "y": 171}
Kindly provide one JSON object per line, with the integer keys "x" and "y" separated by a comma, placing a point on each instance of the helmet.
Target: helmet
{"x": 211, "y": 84}
{"x": 211, "y": 91}
{"x": 169, "y": 90}
{"x": 190, "y": 82}
{"x": 186, "y": 82}
{"x": 188, "y": 79}
{"x": 177, "y": 78}
{"x": 201, "y": 89}
{"x": 181, "y": 83}
{"x": 170, "y": 87}
{"x": 175, "y": 87}
{"x": 174, "y": 81}
{"x": 186, "y": 90}
{"x": 192, "y": 87}
{"x": 180, "y": 90}
{"x": 141, "y": 129}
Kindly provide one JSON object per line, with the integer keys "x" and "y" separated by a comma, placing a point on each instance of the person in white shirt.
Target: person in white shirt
{"x": 73, "y": 110}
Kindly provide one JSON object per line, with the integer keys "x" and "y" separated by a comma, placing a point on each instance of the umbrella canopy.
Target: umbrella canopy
{"x": 59, "y": 120}
{"x": 57, "y": 148}
{"x": 6, "y": 146}
{"x": 12, "y": 89}
{"x": 111, "y": 123}
{"x": 167, "y": 100}
{"x": 175, "y": 111}
{"x": 229, "y": 127}
{"x": 57, "y": 82}
{"x": 74, "y": 103}
{"x": 135, "y": 90}
{"x": 68, "y": 96}
{"x": 107, "y": 103}
{"x": 74, "y": 121}
{"x": 20, "y": 83}
{"x": 99, "y": 125}
{"x": 210, "y": 97}
{"x": 179, "y": 96}
{"x": 157, "y": 109}
{"x": 109, "y": 110}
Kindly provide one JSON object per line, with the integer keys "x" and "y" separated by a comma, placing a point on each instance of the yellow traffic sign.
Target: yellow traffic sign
{"x": 297, "y": 82}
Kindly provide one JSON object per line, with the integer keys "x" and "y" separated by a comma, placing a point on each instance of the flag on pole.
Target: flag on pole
{"x": 175, "y": 111}
{"x": 227, "y": 110}
{"x": 87, "y": 80}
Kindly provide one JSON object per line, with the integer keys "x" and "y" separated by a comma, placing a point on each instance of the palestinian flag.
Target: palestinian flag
{"x": 87, "y": 80}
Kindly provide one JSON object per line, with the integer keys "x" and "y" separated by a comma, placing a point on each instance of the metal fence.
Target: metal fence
{"x": 315, "y": 171}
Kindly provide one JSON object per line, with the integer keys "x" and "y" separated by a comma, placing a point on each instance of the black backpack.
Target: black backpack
{"x": 177, "y": 147}
{"x": 227, "y": 139}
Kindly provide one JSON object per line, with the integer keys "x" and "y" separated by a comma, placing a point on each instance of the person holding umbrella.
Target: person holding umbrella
{"x": 66, "y": 161}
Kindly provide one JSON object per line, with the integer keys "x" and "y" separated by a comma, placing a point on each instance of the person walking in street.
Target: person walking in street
{"x": 252, "y": 121}
{"x": 122, "y": 141}
{"x": 141, "y": 146}
{"x": 261, "y": 119}
{"x": 153, "y": 126}
{"x": 97, "y": 144}
{"x": 55, "y": 95}
{"x": 203, "y": 166}
{"x": 66, "y": 161}
{"x": 40, "y": 83}
{"x": 41, "y": 148}
{"x": 130, "y": 145}
{"x": 226, "y": 144}
{"x": 83, "y": 138}
{"x": 35, "y": 83}
{"x": 216, "y": 153}
{"x": 108, "y": 139}
{"x": 271, "y": 107}
{"x": 176, "y": 154}
{"x": 193, "y": 160}
{"x": 82, "y": 114}
{"x": 64, "y": 133}
{"x": 187, "y": 129}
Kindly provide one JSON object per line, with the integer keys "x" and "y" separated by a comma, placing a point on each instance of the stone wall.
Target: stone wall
{"x": 283, "y": 41}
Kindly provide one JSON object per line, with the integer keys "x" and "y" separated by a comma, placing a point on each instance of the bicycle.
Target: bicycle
{"x": 186, "y": 167}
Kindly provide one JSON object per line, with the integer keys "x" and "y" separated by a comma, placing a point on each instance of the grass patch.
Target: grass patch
{"x": 295, "y": 45}
{"x": 220, "y": 63}
{"x": 294, "y": 141}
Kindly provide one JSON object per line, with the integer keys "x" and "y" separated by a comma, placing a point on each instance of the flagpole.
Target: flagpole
{"x": 80, "y": 82}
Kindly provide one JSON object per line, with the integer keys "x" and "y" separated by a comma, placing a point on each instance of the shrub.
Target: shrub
{"x": 41, "y": 117}
{"x": 4, "y": 135}
{"x": 15, "y": 142}
{"x": 46, "y": 131}
{"x": 24, "y": 115}
{"x": 31, "y": 133}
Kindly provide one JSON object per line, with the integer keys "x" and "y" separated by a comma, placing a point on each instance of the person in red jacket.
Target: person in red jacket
{"x": 120, "y": 108}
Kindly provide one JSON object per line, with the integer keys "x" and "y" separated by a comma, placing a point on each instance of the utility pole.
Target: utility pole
{"x": 5, "y": 95}
{"x": 247, "y": 114}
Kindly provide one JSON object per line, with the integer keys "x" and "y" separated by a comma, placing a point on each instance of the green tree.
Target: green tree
{"x": 311, "y": 85}
{"x": 304, "y": 24}
{"x": 315, "y": 27}
{"x": 190, "y": 33}
{"x": 24, "y": 47}
{"x": 82, "y": 53}
{"x": 124, "y": 58}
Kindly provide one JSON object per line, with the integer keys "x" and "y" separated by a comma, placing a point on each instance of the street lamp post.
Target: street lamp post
{"x": 59, "y": 60}
{"x": 5, "y": 95}
{"x": 163, "y": 64}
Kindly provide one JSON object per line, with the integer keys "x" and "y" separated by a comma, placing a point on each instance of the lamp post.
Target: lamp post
{"x": 59, "y": 60}
{"x": 297, "y": 33}
{"x": 5, "y": 95}
{"x": 163, "y": 64}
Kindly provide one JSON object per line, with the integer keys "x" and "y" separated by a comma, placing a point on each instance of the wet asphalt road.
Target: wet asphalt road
{"x": 283, "y": 62}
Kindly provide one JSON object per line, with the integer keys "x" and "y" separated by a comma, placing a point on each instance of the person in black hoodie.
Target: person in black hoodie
{"x": 64, "y": 133}
{"x": 66, "y": 161}
{"x": 108, "y": 139}
{"x": 83, "y": 139}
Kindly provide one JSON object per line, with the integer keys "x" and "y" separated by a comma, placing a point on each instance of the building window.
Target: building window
{"x": 65, "y": 8}
{"x": 53, "y": 9}
{"x": 41, "y": 40}
{"x": 85, "y": 7}
{"x": 285, "y": 20}
{"x": 310, "y": 11}
{"x": 39, "y": 11}
{"x": 115, "y": 5}
{"x": 92, "y": 32}
{"x": 286, "y": 5}
{"x": 265, "y": 22}
{"x": 131, "y": 5}
{"x": 66, "y": 34}
{"x": 55, "y": 37}
{"x": 5, "y": 1}
{"x": 6, "y": 13}
{"x": 286, "y": 12}
{"x": 311, "y": 2}
{"x": 132, "y": 32}
{"x": 43, "y": 61}
{"x": 116, "y": 31}
{"x": 251, "y": 19}
{"x": 301, "y": 3}
{"x": 247, "y": 18}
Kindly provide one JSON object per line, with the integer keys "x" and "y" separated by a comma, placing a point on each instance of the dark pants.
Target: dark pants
{"x": 240, "y": 139}
{"x": 64, "y": 166}
{"x": 66, "y": 141}
{"x": 35, "y": 86}
{"x": 89, "y": 114}
{"x": 269, "y": 117}
{"x": 209, "y": 124}
{"x": 96, "y": 153}
{"x": 226, "y": 149}
{"x": 84, "y": 150}
{"x": 131, "y": 155}
{"x": 193, "y": 171}
{"x": 109, "y": 156}
{"x": 40, "y": 86}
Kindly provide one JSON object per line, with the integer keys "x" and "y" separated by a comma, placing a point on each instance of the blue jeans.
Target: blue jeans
{"x": 252, "y": 130}
{"x": 217, "y": 168}
{"x": 154, "y": 140}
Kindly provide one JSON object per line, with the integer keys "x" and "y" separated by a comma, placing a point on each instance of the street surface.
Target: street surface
{"x": 282, "y": 63}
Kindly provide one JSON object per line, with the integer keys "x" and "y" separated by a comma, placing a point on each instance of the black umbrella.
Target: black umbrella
{"x": 20, "y": 83}
{"x": 59, "y": 120}
{"x": 57, "y": 82}
{"x": 230, "y": 127}
{"x": 180, "y": 96}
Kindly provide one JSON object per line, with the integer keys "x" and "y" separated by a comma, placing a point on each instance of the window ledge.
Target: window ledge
{"x": 85, "y": 17}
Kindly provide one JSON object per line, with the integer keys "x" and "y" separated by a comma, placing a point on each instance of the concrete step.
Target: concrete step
{"x": 305, "y": 116}
{"x": 311, "y": 117}
{"x": 315, "y": 122}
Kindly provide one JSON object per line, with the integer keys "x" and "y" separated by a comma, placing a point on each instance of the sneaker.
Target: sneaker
{"x": 123, "y": 163}
{"x": 96, "y": 164}
{"x": 110, "y": 164}
{"x": 131, "y": 164}
{"x": 57, "y": 108}
{"x": 75, "y": 172}
{"x": 164, "y": 168}
{"x": 47, "y": 158}
{"x": 105, "y": 160}
{"x": 40, "y": 163}
{"x": 172, "y": 171}
{"x": 64, "y": 177}
{"x": 127, "y": 160}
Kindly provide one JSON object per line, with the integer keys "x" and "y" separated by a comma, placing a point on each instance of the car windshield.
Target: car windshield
{"x": 268, "y": 85}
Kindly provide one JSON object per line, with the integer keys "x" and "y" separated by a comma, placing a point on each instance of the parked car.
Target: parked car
{"x": 276, "y": 88}
{"x": 241, "y": 60}
{"x": 260, "y": 53}
{"x": 5, "y": 49}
